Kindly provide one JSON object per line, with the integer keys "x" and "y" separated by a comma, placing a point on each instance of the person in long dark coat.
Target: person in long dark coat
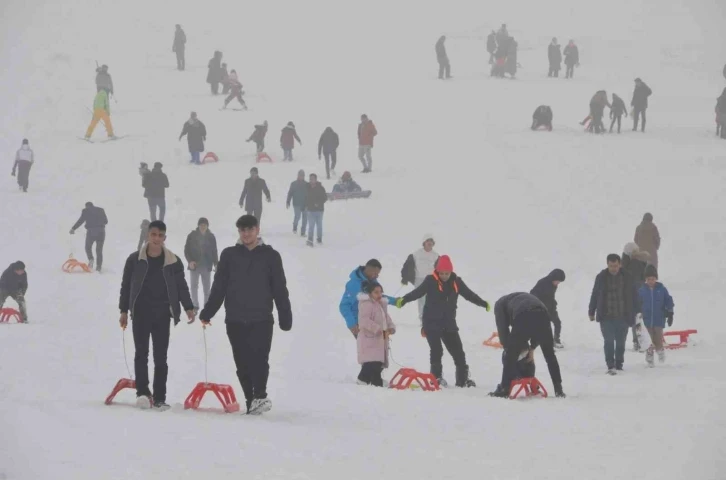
{"x": 196, "y": 134}
{"x": 492, "y": 46}
{"x": 443, "y": 59}
{"x": 251, "y": 197}
{"x": 554, "y": 55}
{"x": 640, "y": 103}
{"x": 180, "y": 41}
{"x": 572, "y": 58}
{"x": 214, "y": 76}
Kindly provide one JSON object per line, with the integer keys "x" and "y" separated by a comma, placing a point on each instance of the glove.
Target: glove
{"x": 669, "y": 316}
{"x": 400, "y": 302}
{"x": 12, "y": 174}
{"x": 487, "y": 306}
{"x": 72, "y": 231}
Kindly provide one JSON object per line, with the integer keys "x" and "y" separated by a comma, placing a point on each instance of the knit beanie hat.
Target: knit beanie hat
{"x": 19, "y": 265}
{"x": 651, "y": 271}
{"x": 444, "y": 264}
{"x": 254, "y": 170}
{"x": 428, "y": 237}
{"x": 202, "y": 221}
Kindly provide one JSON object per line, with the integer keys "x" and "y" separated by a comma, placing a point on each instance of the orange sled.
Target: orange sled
{"x": 493, "y": 341}
{"x": 72, "y": 265}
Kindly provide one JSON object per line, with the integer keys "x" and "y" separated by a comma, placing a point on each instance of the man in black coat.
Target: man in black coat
{"x": 200, "y": 251}
{"x": 617, "y": 110}
{"x": 572, "y": 58}
{"x": 252, "y": 193}
{"x": 315, "y": 207}
{"x": 155, "y": 184}
{"x": 249, "y": 278}
{"x": 442, "y": 58}
{"x": 529, "y": 321}
{"x": 554, "y": 55}
{"x": 442, "y": 290}
{"x": 545, "y": 291}
{"x": 196, "y": 134}
{"x": 297, "y": 195}
{"x": 492, "y": 45}
{"x": 640, "y": 103}
{"x": 95, "y": 219}
{"x": 152, "y": 288}
{"x": 14, "y": 284}
{"x": 180, "y": 41}
{"x": 614, "y": 303}
{"x": 328, "y": 146}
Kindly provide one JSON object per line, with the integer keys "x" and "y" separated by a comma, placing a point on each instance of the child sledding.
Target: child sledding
{"x": 347, "y": 188}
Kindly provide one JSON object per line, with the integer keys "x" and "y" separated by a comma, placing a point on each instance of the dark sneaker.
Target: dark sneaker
{"x": 499, "y": 393}
{"x": 161, "y": 406}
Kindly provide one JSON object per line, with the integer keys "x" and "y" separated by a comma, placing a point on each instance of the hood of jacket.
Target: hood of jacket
{"x": 556, "y": 274}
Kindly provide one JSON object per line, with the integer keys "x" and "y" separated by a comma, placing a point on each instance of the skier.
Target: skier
{"x": 442, "y": 288}
{"x": 615, "y": 301}
{"x": 721, "y": 114}
{"x": 155, "y": 184}
{"x": 14, "y": 284}
{"x": 346, "y": 184}
{"x": 554, "y": 54}
{"x": 491, "y": 45}
{"x": 180, "y": 41}
{"x": 366, "y": 132}
{"x": 545, "y": 290}
{"x": 616, "y": 112}
{"x": 287, "y": 140}
{"x": 24, "y": 159}
{"x": 214, "y": 74}
{"x": 529, "y": 321}
{"x": 442, "y": 58}
{"x": 235, "y": 90}
{"x": 640, "y": 103}
{"x": 104, "y": 80}
{"x": 647, "y": 237}
{"x": 258, "y": 136}
{"x": 249, "y": 277}
{"x": 297, "y": 195}
{"x": 252, "y": 193}
{"x": 315, "y": 207}
{"x": 196, "y": 133}
{"x": 328, "y": 146}
{"x": 542, "y": 117}
{"x": 101, "y": 111}
{"x": 419, "y": 265}
{"x": 377, "y": 326}
{"x": 95, "y": 219}
{"x": 200, "y": 251}
{"x": 144, "y": 233}
{"x": 349, "y": 302}
{"x": 572, "y": 58}
{"x": 657, "y": 307}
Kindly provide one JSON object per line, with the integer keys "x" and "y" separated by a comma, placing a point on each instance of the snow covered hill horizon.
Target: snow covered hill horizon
{"x": 456, "y": 159}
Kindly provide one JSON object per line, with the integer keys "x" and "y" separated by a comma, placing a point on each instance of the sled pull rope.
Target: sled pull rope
{"x": 204, "y": 334}
{"x": 390, "y": 353}
{"x": 123, "y": 342}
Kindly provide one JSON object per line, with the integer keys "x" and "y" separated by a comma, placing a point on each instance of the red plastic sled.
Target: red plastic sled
{"x": 403, "y": 379}
{"x": 224, "y": 393}
{"x": 682, "y": 336}
{"x": 6, "y": 314}
{"x": 493, "y": 341}
{"x": 120, "y": 385}
{"x": 529, "y": 385}
{"x": 210, "y": 157}
{"x": 263, "y": 157}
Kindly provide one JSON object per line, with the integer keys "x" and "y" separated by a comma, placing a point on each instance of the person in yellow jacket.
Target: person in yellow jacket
{"x": 101, "y": 111}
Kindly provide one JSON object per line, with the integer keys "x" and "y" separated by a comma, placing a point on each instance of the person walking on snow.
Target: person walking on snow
{"x": 545, "y": 290}
{"x": 297, "y": 195}
{"x": 14, "y": 284}
{"x": 104, "y": 80}
{"x": 152, "y": 289}
{"x": 657, "y": 307}
{"x": 442, "y": 289}
{"x": 214, "y": 74}
{"x": 287, "y": 140}
{"x": 328, "y": 146}
{"x": 180, "y": 41}
{"x": 375, "y": 327}
{"x": 634, "y": 262}
{"x": 647, "y": 237}
{"x": 95, "y": 219}
{"x": 721, "y": 114}
{"x": 554, "y": 55}
{"x": 196, "y": 134}
{"x": 235, "y": 88}
{"x": 249, "y": 277}
{"x": 492, "y": 46}
{"x": 252, "y": 192}
{"x": 442, "y": 58}
{"x": 572, "y": 58}
{"x": 523, "y": 322}
{"x": 315, "y": 207}
{"x": 24, "y": 159}
{"x": 366, "y": 132}
{"x": 640, "y": 103}
{"x": 101, "y": 112}
{"x": 617, "y": 111}
{"x": 200, "y": 252}
{"x": 258, "y": 136}
{"x": 419, "y": 265}
{"x": 155, "y": 184}
{"x": 349, "y": 302}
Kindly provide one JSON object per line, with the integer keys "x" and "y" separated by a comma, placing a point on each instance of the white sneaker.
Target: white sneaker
{"x": 144, "y": 402}
{"x": 360, "y": 382}
{"x": 661, "y": 356}
{"x": 260, "y": 406}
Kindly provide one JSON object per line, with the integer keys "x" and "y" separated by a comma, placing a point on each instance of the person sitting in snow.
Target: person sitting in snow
{"x": 375, "y": 326}
{"x": 14, "y": 284}
{"x": 542, "y": 117}
{"x": 418, "y": 266}
{"x": 657, "y": 308}
{"x": 235, "y": 90}
{"x": 346, "y": 184}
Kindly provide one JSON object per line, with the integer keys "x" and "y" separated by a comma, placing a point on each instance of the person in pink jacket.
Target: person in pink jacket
{"x": 375, "y": 326}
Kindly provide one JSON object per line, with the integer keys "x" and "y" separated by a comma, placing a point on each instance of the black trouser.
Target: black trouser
{"x": 232, "y": 96}
{"x": 257, "y": 213}
{"x": 444, "y": 68}
{"x": 180, "y": 63}
{"x": 251, "y": 344}
{"x": 558, "y": 326}
{"x": 554, "y": 71}
{"x": 452, "y": 342}
{"x": 533, "y": 325}
{"x": 215, "y": 87}
{"x": 158, "y": 328}
{"x": 260, "y": 145}
{"x": 570, "y": 72}
{"x": 97, "y": 237}
{"x": 637, "y": 114}
{"x": 370, "y": 373}
{"x": 331, "y": 159}
{"x": 616, "y": 118}
{"x": 24, "y": 173}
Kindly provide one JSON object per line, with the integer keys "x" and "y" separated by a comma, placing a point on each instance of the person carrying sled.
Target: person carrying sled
{"x": 251, "y": 197}
{"x": 196, "y": 133}
{"x": 376, "y": 326}
{"x": 14, "y": 284}
{"x": 297, "y": 195}
{"x": 101, "y": 112}
{"x": 95, "y": 219}
{"x": 554, "y": 55}
{"x": 572, "y": 58}
{"x": 235, "y": 90}
{"x": 180, "y": 42}
{"x": 617, "y": 111}
{"x": 214, "y": 73}
{"x": 24, "y": 159}
{"x": 491, "y": 45}
{"x": 657, "y": 306}
{"x": 328, "y": 147}
{"x": 287, "y": 141}
{"x": 104, "y": 80}
{"x": 640, "y": 103}
{"x": 155, "y": 184}
{"x": 349, "y": 301}
{"x": 442, "y": 289}
{"x": 200, "y": 252}
{"x": 523, "y": 322}
{"x": 419, "y": 265}
{"x": 258, "y": 136}
{"x": 545, "y": 290}
{"x": 346, "y": 184}
{"x": 542, "y": 117}
{"x": 442, "y": 58}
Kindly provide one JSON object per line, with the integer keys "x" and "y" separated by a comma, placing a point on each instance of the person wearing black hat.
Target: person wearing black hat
{"x": 155, "y": 184}
{"x": 201, "y": 254}
{"x": 249, "y": 278}
{"x": 545, "y": 291}
{"x": 180, "y": 41}
{"x": 24, "y": 159}
{"x": 95, "y": 219}
{"x": 640, "y": 103}
{"x": 251, "y": 198}
{"x": 14, "y": 284}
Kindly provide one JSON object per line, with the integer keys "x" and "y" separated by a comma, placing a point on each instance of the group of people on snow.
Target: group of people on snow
{"x": 599, "y": 101}
{"x": 555, "y": 56}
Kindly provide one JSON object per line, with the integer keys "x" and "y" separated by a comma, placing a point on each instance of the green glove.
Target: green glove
{"x": 399, "y": 302}
{"x": 487, "y": 306}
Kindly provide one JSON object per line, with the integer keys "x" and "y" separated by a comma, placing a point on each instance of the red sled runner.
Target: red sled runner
{"x": 349, "y": 196}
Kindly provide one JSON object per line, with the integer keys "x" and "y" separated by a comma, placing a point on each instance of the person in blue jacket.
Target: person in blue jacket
{"x": 349, "y": 303}
{"x": 657, "y": 307}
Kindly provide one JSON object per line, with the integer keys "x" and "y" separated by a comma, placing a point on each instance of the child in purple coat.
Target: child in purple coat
{"x": 375, "y": 326}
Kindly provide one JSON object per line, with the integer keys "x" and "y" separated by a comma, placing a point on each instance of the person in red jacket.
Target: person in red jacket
{"x": 287, "y": 140}
{"x": 366, "y": 132}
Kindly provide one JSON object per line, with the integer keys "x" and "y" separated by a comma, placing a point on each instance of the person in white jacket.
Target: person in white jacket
{"x": 418, "y": 265}
{"x": 23, "y": 161}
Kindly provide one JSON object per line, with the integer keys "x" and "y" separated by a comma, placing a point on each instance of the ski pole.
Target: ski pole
{"x": 123, "y": 342}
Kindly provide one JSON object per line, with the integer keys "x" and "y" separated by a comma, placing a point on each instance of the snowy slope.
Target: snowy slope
{"x": 454, "y": 158}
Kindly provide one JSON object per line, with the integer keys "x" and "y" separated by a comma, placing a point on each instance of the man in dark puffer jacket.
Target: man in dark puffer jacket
{"x": 545, "y": 291}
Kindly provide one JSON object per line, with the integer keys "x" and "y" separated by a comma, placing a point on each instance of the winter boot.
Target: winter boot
{"x": 462, "y": 378}
{"x": 144, "y": 402}
{"x": 558, "y": 343}
{"x": 437, "y": 371}
{"x": 161, "y": 406}
{"x": 90, "y": 263}
{"x": 499, "y": 392}
{"x": 661, "y": 356}
{"x": 649, "y": 357}
{"x": 260, "y": 406}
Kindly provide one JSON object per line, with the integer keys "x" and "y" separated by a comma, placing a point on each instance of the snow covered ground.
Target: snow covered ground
{"x": 453, "y": 158}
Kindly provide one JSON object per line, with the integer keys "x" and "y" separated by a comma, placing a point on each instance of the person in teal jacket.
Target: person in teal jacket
{"x": 349, "y": 303}
{"x": 657, "y": 309}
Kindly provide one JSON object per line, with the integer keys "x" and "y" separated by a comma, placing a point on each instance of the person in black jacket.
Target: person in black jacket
{"x": 297, "y": 195}
{"x": 529, "y": 321}
{"x": 249, "y": 278}
{"x": 328, "y": 146}
{"x": 155, "y": 184}
{"x": 640, "y": 103}
{"x": 442, "y": 290}
{"x": 14, "y": 284}
{"x": 442, "y": 58}
{"x": 554, "y": 55}
{"x": 152, "y": 288}
{"x": 95, "y": 219}
{"x": 180, "y": 41}
{"x": 614, "y": 303}
{"x": 252, "y": 193}
{"x": 258, "y": 136}
{"x": 545, "y": 290}
{"x": 315, "y": 206}
{"x": 492, "y": 45}
{"x": 201, "y": 254}
{"x": 196, "y": 134}
{"x": 542, "y": 117}
{"x": 617, "y": 110}
{"x": 572, "y": 58}
{"x": 214, "y": 75}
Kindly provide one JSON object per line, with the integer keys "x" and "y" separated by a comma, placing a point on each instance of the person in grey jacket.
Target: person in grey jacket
{"x": 95, "y": 219}
{"x": 297, "y": 195}
{"x": 155, "y": 184}
{"x": 251, "y": 197}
